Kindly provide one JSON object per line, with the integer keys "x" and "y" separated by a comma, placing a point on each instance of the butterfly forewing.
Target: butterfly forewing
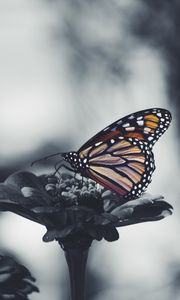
{"x": 146, "y": 125}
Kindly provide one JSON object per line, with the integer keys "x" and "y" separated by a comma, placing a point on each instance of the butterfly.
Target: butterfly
{"x": 120, "y": 156}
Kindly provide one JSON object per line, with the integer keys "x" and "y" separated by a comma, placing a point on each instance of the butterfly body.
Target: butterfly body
{"x": 120, "y": 156}
{"x": 78, "y": 164}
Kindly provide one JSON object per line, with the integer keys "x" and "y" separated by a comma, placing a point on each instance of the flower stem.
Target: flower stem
{"x": 76, "y": 253}
{"x": 76, "y": 260}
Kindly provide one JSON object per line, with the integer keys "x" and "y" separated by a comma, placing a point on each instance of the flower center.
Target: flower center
{"x": 67, "y": 190}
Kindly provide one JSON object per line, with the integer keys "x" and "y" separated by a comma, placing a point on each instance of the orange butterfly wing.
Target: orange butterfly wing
{"x": 146, "y": 125}
{"x": 123, "y": 166}
{"x": 120, "y": 156}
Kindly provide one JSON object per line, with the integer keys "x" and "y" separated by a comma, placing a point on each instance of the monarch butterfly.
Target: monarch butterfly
{"x": 120, "y": 156}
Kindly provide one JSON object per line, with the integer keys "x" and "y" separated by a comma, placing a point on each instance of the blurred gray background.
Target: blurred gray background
{"x": 68, "y": 68}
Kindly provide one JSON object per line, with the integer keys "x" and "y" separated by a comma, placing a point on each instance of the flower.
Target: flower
{"x": 73, "y": 209}
{"x": 15, "y": 280}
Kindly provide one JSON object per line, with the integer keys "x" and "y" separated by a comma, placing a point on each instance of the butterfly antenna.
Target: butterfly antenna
{"x": 46, "y": 157}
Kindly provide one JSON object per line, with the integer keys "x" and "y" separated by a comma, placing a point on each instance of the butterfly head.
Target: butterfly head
{"x": 74, "y": 160}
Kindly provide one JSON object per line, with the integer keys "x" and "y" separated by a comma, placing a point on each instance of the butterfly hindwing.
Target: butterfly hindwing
{"x": 124, "y": 165}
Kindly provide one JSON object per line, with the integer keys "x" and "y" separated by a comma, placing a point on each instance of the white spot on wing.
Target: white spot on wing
{"x": 147, "y": 130}
{"x": 140, "y": 118}
{"x": 130, "y": 128}
{"x": 126, "y": 125}
{"x": 119, "y": 122}
{"x": 99, "y": 143}
{"x": 140, "y": 122}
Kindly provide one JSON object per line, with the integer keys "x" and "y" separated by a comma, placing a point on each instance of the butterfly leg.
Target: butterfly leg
{"x": 74, "y": 175}
{"x": 57, "y": 168}
{"x": 87, "y": 183}
{"x": 82, "y": 180}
